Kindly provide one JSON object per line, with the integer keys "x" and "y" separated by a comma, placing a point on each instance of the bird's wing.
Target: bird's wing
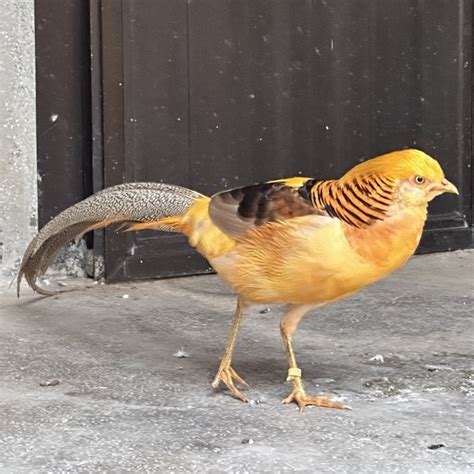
{"x": 239, "y": 210}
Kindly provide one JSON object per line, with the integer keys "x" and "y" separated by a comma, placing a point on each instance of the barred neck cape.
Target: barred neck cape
{"x": 359, "y": 202}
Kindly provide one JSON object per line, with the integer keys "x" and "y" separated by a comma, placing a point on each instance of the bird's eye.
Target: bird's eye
{"x": 419, "y": 179}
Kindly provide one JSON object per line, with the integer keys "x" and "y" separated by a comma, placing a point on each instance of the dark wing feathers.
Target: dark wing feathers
{"x": 359, "y": 202}
{"x": 238, "y": 210}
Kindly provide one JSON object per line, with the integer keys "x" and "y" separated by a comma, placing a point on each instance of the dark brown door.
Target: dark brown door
{"x": 212, "y": 94}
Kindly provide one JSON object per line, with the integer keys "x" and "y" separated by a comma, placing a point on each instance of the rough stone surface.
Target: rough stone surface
{"x": 90, "y": 381}
{"x": 18, "y": 199}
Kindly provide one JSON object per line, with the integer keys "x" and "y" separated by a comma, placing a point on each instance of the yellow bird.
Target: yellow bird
{"x": 298, "y": 241}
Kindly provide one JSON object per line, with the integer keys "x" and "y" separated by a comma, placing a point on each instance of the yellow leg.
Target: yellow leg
{"x": 226, "y": 374}
{"x": 288, "y": 326}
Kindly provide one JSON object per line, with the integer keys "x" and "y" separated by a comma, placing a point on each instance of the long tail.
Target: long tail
{"x": 127, "y": 203}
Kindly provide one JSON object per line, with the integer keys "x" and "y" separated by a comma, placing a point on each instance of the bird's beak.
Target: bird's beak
{"x": 448, "y": 187}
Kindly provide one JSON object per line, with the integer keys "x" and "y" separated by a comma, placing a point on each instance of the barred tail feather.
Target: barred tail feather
{"x": 125, "y": 203}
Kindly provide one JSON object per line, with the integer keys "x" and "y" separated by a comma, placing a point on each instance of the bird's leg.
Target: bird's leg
{"x": 288, "y": 326}
{"x": 226, "y": 374}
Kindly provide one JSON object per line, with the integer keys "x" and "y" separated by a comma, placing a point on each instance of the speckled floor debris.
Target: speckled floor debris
{"x": 90, "y": 381}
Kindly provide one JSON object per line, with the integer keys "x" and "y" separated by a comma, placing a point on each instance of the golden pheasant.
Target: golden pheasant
{"x": 299, "y": 241}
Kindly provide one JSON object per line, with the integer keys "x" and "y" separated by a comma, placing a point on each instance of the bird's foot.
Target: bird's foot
{"x": 298, "y": 396}
{"x": 227, "y": 375}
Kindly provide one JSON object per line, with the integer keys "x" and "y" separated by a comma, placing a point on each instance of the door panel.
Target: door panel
{"x": 215, "y": 94}
{"x": 146, "y": 97}
{"x": 269, "y": 97}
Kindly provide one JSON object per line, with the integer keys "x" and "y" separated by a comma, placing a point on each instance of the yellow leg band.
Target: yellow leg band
{"x": 293, "y": 372}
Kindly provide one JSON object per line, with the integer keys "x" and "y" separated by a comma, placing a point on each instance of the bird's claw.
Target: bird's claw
{"x": 299, "y": 397}
{"x": 227, "y": 375}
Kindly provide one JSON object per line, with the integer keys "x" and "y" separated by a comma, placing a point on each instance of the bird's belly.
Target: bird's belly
{"x": 298, "y": 274}
{"x": 301, "y": 269}
{"x": 314, "y": 282}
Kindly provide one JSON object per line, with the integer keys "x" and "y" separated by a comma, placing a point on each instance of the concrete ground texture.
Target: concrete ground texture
{"x": 90, "y": 380}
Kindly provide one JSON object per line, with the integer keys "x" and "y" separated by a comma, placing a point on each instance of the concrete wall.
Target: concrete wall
{"x": 18, "y": 194}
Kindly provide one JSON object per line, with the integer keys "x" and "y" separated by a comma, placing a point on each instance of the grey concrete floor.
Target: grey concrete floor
{"x": 399, "y": 352}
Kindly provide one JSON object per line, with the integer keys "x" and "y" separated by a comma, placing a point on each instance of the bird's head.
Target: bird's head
{"x": 417, "y": 177}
